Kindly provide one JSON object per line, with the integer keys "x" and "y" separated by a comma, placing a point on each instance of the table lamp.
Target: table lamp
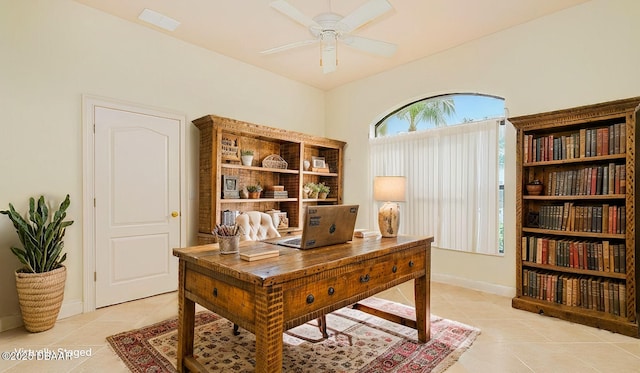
{"x": 390, "y": 190}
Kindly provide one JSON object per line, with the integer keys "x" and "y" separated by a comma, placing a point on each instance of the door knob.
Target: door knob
{"x": 174, "y": 214}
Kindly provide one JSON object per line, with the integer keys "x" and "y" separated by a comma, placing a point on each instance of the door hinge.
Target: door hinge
{"x": 95, "y": 277}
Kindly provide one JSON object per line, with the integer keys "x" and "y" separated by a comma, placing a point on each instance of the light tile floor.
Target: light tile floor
{"x": 511, "y": 340}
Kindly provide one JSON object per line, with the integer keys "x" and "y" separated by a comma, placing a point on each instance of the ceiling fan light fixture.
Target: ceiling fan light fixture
{"x": 329, "y": 28}
{"x": 328, "y": 51}
{"x": 329, "y": 40}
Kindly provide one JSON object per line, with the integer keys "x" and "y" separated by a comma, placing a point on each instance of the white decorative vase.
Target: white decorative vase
{"x": 306, "y": 164}
{"x": 389, "y": 219}
{"x": 247, "y": 160}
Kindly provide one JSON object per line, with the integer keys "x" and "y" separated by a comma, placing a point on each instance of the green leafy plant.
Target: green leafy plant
{"x": 323, "y": 188}
{"x": 254, "y": 188}
{"x": 41, "y": 236}
{"x": 312, "y": 187}
{"x": 246, "y": 152}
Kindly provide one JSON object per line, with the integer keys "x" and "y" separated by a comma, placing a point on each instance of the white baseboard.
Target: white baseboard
{"x": 68, "y": 309}
{"x": 505, "y": 291}
{"x": 10, "y": 322}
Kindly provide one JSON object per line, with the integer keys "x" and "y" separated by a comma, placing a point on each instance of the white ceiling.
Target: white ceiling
{"x": 242, "y": 28}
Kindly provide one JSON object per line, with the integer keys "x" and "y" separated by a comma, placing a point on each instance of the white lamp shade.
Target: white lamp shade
{"x": 389, "y": 188}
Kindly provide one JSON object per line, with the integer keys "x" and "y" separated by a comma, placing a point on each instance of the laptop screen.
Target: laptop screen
{"x": 325, "y": 225}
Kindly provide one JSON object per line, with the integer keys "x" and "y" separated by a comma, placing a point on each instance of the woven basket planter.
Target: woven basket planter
{"x": 40, "y": 296}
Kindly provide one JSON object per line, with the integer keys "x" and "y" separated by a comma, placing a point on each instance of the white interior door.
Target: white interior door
{"x": 137, "y": 204}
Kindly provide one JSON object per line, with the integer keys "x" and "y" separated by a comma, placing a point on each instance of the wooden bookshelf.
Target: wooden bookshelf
{"x": 576, "y": 240}
{"x": 221, "y": 142}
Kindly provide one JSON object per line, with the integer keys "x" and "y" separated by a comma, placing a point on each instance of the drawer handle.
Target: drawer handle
{"x": 215, "y": 292}
{"x": 310, "y": 299}
{"x": 411, "y": 263}
{"x": 394, "y": 269}
{"x": 331, "y": 290}
{"x": 364, "y": 278}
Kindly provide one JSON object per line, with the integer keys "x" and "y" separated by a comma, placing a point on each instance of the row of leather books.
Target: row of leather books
{"x": 587, "y": 142}
{"x": 597, "y": 180}
{"x": 605, "y": 218}
{"x": 605, "y": 295}
{"x": 596, "y": 256}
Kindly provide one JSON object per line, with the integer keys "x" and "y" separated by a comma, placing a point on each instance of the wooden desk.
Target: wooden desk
{"x": 269, "y": 296}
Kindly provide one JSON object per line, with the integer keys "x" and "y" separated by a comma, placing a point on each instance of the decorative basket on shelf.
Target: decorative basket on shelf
{"x": 274, "y": 161}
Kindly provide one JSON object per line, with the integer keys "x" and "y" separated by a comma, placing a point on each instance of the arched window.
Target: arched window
{"x": 440, "y": 111}
{"x": 451, "y": 149}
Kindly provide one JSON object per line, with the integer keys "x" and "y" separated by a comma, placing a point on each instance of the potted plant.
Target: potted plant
{"x": 323, "y": 191}
{"x": 247, "y": 157}
{"x": 306, "y": 190}
{"x": 40, "y": 282}
{"x": 254, "y": 191}
{"x": 313, "y": 189}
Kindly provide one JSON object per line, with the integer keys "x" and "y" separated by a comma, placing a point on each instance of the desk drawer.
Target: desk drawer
{"x": 347, "y": 282}
{"x": 228, "y": 301}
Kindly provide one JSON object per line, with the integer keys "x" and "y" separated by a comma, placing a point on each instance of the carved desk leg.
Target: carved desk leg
{"x": 422, "y": 294}
{"x": 186, "y": 320}
{"x": 269, "y": 329}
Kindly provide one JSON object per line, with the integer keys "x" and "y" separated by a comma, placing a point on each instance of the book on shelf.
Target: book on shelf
{"x": 623, "y": 138}
{"x": 603, "y": 218}
{"x": 616, "y": 299}
{"x": 583, "y": 145}
{"x": 602, "y": 256}
{"x": 588, "y": 292}
{"x": 586, "y": 142}
{"x": 597, "y": 180}
{"x": 276, "y": 194}
{"x": 622, "y": 176}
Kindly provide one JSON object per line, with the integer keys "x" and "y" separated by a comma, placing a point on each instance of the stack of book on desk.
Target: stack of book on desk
{"x": 364, "y": 233}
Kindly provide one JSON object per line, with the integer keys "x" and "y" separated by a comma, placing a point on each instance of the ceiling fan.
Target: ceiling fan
{"x": 329, "y": 28}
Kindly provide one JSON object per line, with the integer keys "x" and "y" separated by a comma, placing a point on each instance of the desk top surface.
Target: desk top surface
{"x": 293, "y": 263}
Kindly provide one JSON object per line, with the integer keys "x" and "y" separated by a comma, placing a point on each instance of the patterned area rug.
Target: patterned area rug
{"x": 358, "y": 342}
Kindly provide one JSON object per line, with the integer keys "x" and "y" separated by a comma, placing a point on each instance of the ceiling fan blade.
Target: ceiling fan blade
{"x": 364, "y": 14}
{"x": 378, "y": 47}
{"x": 288, "y": 10}
{"x": 289, "y": 46}
{"x": 329, "y": 63}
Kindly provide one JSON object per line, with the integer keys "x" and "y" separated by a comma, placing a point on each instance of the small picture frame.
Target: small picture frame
{"x": 284, "y": 221}
{"x": 318, "y": 162}
{"x": 230, "y": 187}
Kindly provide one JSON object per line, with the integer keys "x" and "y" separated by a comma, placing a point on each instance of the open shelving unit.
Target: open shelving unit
{"x": 576, "y": 242}
{"x": 221, "y": 141}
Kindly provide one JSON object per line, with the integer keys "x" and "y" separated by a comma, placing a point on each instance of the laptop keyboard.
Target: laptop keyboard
{"x": 293, "y": 241}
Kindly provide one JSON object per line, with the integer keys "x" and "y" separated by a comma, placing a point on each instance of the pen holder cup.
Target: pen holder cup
{"x": 228, "y": 244}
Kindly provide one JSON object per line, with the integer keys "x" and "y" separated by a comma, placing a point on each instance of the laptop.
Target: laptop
{"x": 323, "y": 226}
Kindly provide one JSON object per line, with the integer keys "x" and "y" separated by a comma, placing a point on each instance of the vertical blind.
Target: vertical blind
{"x": 452, "y": 183}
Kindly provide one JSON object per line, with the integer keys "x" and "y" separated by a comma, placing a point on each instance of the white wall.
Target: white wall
{"x": 583, "y": 55}
{"x": 53, "y": 52}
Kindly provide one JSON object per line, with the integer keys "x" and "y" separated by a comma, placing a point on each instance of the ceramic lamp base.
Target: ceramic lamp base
{"x": 389, "y": 219}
